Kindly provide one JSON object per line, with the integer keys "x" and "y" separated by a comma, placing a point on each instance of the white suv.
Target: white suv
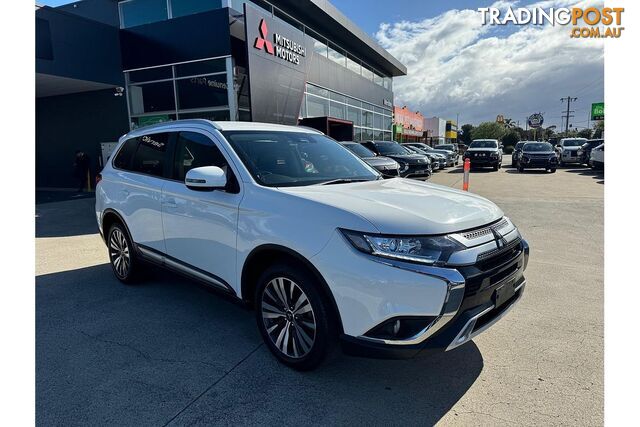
{"x": 325, "y": 250}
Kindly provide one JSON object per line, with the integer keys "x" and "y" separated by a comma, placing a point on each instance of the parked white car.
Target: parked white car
{"x": 567, "y": 150}
{"x": 297, "y": 226}
{"x": 596, "y": 159}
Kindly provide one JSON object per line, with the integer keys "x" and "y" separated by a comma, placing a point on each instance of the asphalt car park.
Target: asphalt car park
{"x": 170, "y": 352}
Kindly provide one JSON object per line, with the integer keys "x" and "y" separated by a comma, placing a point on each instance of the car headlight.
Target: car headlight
{"x": 403, "y": 166}
{"x": 421, "y": 249}
{"x": 494, "y": 155}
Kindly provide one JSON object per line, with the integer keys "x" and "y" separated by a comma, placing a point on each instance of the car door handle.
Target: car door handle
{"x": 170, "y": 203}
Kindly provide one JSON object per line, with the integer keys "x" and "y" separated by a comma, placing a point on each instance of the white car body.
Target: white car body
{"x": 596, "y": 158}
{"x": 568, "y": 150}
{"x": 213, "y": 235}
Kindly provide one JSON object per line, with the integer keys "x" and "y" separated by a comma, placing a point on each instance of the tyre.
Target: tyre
{"x": 496, "y": 166}
{"x": 553, "y": 170}
{"x": 122, "y": 255}
{"x": 520, "y": 169}
{"x": 294, "y": 317}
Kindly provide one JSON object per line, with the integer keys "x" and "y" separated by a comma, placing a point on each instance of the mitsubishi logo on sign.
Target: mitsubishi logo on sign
{"x": 285, "y": 48}
{"x": 261, "y": 42}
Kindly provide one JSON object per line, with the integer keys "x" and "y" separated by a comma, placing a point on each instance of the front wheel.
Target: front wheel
{"x": 520, "y": 169}
{"x": 553, "y": 170}
{"x": 294, "y": 317}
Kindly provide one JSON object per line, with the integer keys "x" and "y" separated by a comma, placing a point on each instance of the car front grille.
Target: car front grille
{"x": 492, "y": 268}
{"x": 474, "y": 234}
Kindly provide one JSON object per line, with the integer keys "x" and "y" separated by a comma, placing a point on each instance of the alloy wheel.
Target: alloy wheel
{"x": 119, "y": 253}
{"x": 288, "y": 317}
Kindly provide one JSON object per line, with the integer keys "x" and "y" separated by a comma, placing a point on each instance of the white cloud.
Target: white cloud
{"x": 457, "y": 65}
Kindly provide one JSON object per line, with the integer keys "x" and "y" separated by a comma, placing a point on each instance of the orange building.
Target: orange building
{"x": 407, "y": 125}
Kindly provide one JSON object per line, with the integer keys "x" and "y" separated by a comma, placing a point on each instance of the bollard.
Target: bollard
{"x": 465, "y": 181}
{"x": 88, "y": 180}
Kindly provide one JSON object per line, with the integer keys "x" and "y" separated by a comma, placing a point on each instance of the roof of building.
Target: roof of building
{"x": 325, "y": 18}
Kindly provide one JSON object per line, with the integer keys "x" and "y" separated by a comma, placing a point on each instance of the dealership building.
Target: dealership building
{"x": 104, "y": 67}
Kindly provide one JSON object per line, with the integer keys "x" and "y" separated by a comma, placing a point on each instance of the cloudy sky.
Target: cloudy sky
{"x": 457, "y": 65}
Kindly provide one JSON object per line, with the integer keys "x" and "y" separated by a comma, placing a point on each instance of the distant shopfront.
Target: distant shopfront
{"x": 408, "y": 125}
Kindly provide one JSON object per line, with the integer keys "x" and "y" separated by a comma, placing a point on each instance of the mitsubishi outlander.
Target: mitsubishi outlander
{"x": 296, "y": 226}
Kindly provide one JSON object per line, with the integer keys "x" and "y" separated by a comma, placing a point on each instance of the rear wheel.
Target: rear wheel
{"x": 122, "y": 256}
{"x": 294, "y": 317}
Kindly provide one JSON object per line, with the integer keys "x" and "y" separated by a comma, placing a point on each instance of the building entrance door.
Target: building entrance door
{"x": 338, "y": 129}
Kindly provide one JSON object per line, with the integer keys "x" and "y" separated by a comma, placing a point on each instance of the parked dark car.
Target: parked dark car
{"x": 585, "y": 151}
{"x": 538, "y": 155}
{"x": 517, "y": 153}
{"x": 438, "y": 161}
{"x": 386, "y": 166}
{"x": 484, "y": 153}
{"x": 411, "y": 165}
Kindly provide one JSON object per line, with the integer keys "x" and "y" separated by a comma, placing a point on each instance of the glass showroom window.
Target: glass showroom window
{"x": 201, "y": 88}
{"x": 152, "y": 98}
{"x": 189, "y": 7}
{"x": 138, "y": 12}
{"x": 337, "y": 56}
{"x": 202, "y": 92}
{"x": 316, "y": 106}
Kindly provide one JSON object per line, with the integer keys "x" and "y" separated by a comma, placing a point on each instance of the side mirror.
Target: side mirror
{"x": 206, "y": 178}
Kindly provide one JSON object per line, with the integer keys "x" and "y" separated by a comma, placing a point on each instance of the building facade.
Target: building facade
{"x": 105, "y": 66}
{"x": 407, "y": 125}
{"x": 435, "y": 130}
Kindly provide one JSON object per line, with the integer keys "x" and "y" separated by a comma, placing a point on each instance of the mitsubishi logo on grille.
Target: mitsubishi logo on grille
{"x": 501, "y": 242}
{"x": 261, "y": 42}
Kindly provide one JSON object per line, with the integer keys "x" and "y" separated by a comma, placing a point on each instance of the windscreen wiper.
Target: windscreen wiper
{"x": 342, "y": 181}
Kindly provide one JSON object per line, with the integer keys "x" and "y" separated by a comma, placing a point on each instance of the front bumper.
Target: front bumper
{"x": 470, "y": 308}
{"x": 484, "y": 161}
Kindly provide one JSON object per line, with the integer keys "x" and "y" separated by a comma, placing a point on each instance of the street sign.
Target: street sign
{"x": 535, "y": 120}
{"x": 597, "y": 111}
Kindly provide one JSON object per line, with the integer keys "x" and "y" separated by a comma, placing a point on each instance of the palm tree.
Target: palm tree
{"x": 509, "y": 123}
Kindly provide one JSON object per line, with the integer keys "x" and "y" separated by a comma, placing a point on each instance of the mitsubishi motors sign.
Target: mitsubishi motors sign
{"x": 285, "y": 48}
{"x": 278, "y": 67}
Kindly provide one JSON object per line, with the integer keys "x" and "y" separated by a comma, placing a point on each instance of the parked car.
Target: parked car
{"x": 291, "y": 223}
{"x": 536, "y": 155}
{"x": 386, "y": 166}
{"x": 449, "y": 155}
{"x": 412, "y": 165}
{"x": 484, "y": 152}
{"x": 450, "y": 147}
{"x": 584, "y": 152}
{"x": 438, "y": 161}
{"x": 567, "y": 150}
{"x": 517, "y": 153}
{"x": 596, "y": 160}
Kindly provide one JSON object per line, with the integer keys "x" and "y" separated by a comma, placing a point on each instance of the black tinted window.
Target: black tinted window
{"x": 194, "y": 150}
{"x": 125, "y": 155}
{"x": 150, "y": 156}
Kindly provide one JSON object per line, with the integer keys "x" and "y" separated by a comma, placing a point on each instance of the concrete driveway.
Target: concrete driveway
{"x": 171, "y": 352}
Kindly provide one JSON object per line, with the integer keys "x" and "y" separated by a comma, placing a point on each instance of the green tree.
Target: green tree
{"x": 509, "y": 123}
{"x": 510, "y": 139}
{"x": 465, "y": 137}
{"x": 585, "y": 133}
{"x": 488, "y": 130}
{"x": 598, "y": 130}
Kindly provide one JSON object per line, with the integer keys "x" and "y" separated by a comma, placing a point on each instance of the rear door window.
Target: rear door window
{"x": 151, "y": 156}
{"x": 125, "y": 156}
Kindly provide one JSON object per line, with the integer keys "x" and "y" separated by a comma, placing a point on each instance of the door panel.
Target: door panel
{"x": 200, "y": 227}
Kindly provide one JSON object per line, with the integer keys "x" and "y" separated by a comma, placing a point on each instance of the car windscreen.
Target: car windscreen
{"x": 390, "y": 148}
{"x": 537, "y": 147}
{"x": 359, "y": 150}
{"x": 285, "y": 159}
{"x": 445, "y": 147}
{"x": 573, "y": 142}
{"x": 519, "y": 145}
{"x": 484, "y": 144}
